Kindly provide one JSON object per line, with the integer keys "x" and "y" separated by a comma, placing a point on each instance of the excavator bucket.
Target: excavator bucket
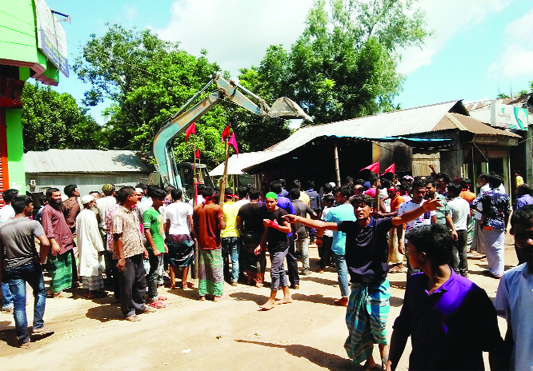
{"x": 285, "y": 108}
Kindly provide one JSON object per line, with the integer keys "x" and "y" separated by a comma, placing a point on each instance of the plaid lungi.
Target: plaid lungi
{"x": 366, "y": 318}
{"x": 210, "y": 272}
{"x": 62, "y": 269}
{"x": 93, "y": 283}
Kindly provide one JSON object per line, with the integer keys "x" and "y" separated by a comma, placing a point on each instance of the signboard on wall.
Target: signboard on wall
{"x": 51, "y": 37}
{"x": 508, "y": 117}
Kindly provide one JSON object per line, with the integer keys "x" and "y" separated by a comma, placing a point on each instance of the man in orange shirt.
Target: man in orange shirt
{"x": 208, "y": 222}
{"x": 395, "y": 258}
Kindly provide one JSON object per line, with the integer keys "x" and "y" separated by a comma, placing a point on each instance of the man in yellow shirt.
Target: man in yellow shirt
{"x": 231, "y": 243}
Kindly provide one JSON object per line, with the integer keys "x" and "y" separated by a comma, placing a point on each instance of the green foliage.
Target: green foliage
{"x": 148, "y": 80}
{"x": 502, "y": 96}
{"x": 344, "y": 64}
{"x": 53, "y": 120}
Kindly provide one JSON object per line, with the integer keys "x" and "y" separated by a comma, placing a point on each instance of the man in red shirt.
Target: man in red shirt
{"x": 208, "y": 222}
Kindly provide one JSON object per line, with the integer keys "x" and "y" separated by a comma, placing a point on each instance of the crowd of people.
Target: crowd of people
{"x": 128, "y": 239}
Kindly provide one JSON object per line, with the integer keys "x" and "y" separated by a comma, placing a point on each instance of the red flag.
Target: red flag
{"x": 233, "y": 142}
{"x": 197, "y": 153}
{"x": 225, "y": 133}
{"x": 390, "y": 169}
{"x": 373, "y": 168}
{"x": 190, "y": 130}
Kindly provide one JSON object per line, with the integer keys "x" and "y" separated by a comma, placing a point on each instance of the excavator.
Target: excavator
{"x": 180, "y": 175}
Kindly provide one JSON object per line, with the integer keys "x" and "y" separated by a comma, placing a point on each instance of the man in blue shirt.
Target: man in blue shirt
{"x": 450, "y": 319}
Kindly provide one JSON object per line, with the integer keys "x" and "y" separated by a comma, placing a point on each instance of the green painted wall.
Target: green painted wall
{"x": 15, "y": 150}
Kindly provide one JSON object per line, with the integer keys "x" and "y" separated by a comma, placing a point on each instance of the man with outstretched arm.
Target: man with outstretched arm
{"x": 367, "y": 254}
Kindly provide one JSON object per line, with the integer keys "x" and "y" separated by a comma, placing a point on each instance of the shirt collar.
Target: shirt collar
{"x": 446, "y": 286}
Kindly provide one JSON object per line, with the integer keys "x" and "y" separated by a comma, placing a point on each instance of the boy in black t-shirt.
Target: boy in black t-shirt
{"x": 277, "y": 240}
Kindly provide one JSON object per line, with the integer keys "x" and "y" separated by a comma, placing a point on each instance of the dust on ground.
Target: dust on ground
{"x": 231, "y": 335}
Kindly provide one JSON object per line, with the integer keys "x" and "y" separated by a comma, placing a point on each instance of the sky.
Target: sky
{"x": 478, "y": 47}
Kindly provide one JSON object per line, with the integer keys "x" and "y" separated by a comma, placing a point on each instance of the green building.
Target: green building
{"x": 32, "y": 45}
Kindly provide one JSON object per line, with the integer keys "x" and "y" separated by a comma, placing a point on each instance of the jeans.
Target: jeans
{"x": 132, "y": 286}
{"x": 230, "y": 250}
{"x": 153, "y": 274}
{"x": 325, "y": 252}
{"x": 277, "y": 270}
{"x": 302, "y": 245}
{"x": 292, "y": 263}
{"x": 342, "y": 272}
{"x": 459, "y": 261}
{"x": 17, "y": 278}
{"x": 7, "y": 301}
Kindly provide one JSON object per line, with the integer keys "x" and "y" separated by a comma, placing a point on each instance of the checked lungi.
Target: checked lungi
{"x": 210, "y": 272}
{"x": 62, "y": 269}
{"x": 366, "y": 318}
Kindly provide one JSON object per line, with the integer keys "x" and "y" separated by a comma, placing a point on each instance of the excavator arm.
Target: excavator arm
{"x": 186, "y": 116}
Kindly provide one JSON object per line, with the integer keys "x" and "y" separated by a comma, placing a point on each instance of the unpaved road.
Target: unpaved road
{"x": 232, "y": 335}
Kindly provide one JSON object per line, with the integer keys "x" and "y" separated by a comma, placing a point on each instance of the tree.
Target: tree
{"x": 53, "y": 120}
{"x": 344, "y": 64}
{"x": 148, "y": 80}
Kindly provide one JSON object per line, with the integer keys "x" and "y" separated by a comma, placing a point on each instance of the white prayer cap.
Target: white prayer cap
{"x": 86, "y": 199}
{"x": 332, "y": 184}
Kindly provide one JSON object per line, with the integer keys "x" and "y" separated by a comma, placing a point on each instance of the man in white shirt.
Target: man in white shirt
{"x": 459, "y": 210}
{"x": 7, "y": 212}
{"x": 514, "y": 298}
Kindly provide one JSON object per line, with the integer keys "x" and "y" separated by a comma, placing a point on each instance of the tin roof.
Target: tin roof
{"x": 452, "y": 121}
{"x": 84, "y": 161}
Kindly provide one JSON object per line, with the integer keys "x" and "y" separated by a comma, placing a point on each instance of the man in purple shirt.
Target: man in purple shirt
{"x": 450, "y": 319}
{"x": 523, "y": 196}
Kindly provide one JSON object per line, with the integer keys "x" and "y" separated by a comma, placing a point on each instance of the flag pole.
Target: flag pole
{"x": 225, "y": 176}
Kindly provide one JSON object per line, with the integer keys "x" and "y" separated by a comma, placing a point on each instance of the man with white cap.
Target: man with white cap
{"x": 91, "y": 250}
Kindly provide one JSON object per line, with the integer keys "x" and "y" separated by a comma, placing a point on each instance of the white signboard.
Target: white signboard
{"x": 51, "y": 37}
{"x": 508, "y": 117}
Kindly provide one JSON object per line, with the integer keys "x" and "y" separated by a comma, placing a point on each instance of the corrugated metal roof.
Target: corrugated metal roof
{"x": 452, "y": 121}
{"x": 396, "y": 123}
{"x": 236, "y": 163}
{"x": 481, "y": 109}
{"x": 84, "y": 161}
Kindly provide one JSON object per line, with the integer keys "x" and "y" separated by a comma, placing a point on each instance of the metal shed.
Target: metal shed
{"x": 89, "y": 169}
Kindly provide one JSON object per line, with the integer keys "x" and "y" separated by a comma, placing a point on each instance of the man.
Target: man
{"x": 180, "y": 242}
{"x": 208, "y": 222}
{"x": 292, "y": 259}
{"x": 395, "y": 258}
{"x": 154, "y": 230}
{"x": 243, "y": 197}
{"x": 199, "y": 199}
{"x": 61, "y": 262}
{"x": 418, "y": 191}
{"x": 443, "y": 213}
{"x": 518, "y": 178}
{"x": 450, "y": 319}
{"x": 276, "y": 238}
{"x": 70, "y": 207}
{"x": 6, "y": 213}
{"x": 460, "y": 213}
{"x": 231, "y": 242}
{"x": 523, "y": 196}
{"x": 326, "y": 240}
{"x": 90, "y": 249}
{"x": 441, "y": 182}
{"x": 367, "y": 261}
{"x": 338, "y": 214}
{"x": 514, "y": 298}
{"x": 496, "y": 210}
{"x": 129, "y": 252}
{"x": 301, "y": 236}
{"x": 314, "y": 197}
{"x": 20, "y": 264}
{"x": 104, "y": 205}
{"x": 250, "y": 222}
{"x": 95, "y": 194}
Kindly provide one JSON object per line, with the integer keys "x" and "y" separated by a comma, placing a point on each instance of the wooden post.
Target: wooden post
{"x": 337, "y": 169}
{"x": 224, "y": 181}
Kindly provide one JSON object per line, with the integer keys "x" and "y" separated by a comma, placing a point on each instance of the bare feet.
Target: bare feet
{"x": 370, "y": 364}
{"x": 172, "y": 286}
{"x": 343, "y": 302}
{"x": 202, "y": 298}
{"x": 216, "y": 299}
{"x": 284, "y": 300}
{"x": 268, "y": 305}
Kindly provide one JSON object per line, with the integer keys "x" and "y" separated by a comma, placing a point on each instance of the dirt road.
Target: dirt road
{"x": 232, "y": 335}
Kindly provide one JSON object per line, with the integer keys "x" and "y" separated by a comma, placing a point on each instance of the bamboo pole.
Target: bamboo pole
{"x": 194, "y": 272}
{"x": 337, "y": 168}
{"x": 224, "y": 181}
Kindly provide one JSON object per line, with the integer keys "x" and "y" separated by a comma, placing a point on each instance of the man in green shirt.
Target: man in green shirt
{"x": 154, "y": 231}
{"x": 443, "y": 212}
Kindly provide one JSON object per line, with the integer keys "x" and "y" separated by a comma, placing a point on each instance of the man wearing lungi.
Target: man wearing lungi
{"x": 367, "y": 254}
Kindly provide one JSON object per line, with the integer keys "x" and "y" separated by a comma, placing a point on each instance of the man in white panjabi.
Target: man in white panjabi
{"x": 91, "y": 250}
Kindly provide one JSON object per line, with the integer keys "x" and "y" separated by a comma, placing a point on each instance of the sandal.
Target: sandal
{"x": 157, "y": 305}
